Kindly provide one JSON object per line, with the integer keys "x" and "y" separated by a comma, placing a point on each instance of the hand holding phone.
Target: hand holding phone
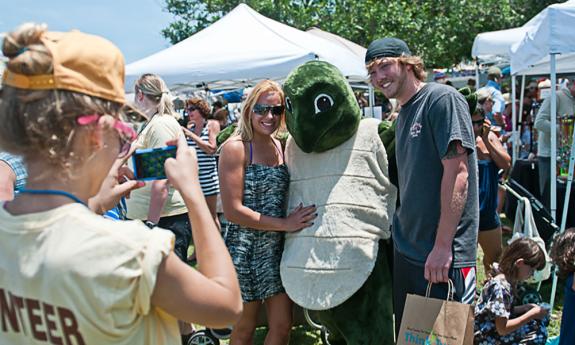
{"x": 182, "y": 172}
{"x": 149, "y": 163}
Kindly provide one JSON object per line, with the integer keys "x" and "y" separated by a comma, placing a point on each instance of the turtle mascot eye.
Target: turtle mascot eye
{"x": 338, "y": 162}
{"x": 323, "y": 102}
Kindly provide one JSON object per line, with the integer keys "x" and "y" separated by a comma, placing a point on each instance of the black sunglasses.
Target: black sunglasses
{"x": 263, "y": 109}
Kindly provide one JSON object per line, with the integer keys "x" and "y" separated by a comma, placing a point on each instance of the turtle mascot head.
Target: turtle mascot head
{"x": 321, "y": 109}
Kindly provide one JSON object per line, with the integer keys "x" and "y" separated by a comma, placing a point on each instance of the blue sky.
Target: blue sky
{"x": 133, "y": 25}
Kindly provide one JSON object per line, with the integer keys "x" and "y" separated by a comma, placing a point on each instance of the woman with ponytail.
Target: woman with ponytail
{"x": 157, "y": 203}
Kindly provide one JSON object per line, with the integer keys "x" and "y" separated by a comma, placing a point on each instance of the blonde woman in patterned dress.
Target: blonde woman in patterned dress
{"x": 254, "y": 181}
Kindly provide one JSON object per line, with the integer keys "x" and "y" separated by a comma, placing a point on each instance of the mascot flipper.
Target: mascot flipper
{"x": 338, "y": 162}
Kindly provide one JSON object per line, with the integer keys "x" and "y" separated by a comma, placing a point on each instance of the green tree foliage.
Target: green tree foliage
{"x": 441, "y": 31}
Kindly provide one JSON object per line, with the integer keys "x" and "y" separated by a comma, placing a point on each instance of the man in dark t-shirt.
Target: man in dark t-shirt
{"x": 435, "y": 227}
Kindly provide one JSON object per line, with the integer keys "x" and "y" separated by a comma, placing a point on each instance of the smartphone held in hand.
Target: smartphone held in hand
{"x": 149, "y": 163}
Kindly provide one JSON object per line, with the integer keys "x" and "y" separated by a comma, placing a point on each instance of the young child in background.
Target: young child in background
{"x": 497, "y": 320}
{"x": 563, "y": 255}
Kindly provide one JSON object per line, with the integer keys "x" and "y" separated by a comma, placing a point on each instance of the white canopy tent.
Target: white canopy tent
{"x": 549, "y": 35}
{"x": 241, "y": 48}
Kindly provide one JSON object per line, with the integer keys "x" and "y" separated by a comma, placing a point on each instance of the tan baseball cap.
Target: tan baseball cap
{"x": 82, "y": 62}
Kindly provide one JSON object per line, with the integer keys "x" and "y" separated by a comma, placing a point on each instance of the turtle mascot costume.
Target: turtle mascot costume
{"x": 337, "y": 161}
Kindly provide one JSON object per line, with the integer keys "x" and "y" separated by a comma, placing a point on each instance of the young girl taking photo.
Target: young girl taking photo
{"x": 497, "y": 319}
{"x": 81, "y": 278}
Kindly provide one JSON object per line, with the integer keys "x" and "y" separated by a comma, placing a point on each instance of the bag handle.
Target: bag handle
{"x": 450, "y": 290}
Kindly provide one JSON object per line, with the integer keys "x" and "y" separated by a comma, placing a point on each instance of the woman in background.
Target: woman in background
{"x": 201, "y": 134}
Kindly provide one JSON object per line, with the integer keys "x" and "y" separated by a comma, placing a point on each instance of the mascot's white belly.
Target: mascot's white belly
{"x": 323, "y": 265}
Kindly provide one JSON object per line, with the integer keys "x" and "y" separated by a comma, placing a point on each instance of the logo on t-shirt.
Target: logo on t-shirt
{"x": 415, "y": 130}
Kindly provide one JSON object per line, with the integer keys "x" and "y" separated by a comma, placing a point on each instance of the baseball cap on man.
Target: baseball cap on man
{"x": 82, "y": 63}
{"x": 386, "y": 47}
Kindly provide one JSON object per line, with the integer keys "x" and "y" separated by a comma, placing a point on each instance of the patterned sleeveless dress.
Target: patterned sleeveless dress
{"x": 256, "y": 254}
{"x": 207, "y": 167}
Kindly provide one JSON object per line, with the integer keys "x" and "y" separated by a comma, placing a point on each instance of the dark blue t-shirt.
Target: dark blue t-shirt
{"x": 433, "y": 118}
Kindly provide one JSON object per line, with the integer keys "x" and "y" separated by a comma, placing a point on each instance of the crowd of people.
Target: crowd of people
{"x": 67, "y": 136}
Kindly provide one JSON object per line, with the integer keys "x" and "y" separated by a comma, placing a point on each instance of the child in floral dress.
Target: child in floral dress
{"x": 497, "y": 320}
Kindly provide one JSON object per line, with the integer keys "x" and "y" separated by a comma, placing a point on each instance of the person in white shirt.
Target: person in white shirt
{"x": 565, "y": 106}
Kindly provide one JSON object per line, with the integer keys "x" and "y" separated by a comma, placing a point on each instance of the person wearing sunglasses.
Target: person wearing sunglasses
{"x": 254, "y": 184}
{"x": 201, "y": 134}
{"x": 491, "y": 157}
{"x": 67, "y": 274}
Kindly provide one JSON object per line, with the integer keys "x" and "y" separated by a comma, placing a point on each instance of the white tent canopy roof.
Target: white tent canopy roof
{"x": 551, "y": 32}
{"x": 352, "y": 46}
{"x": 242, "y": 46}
{"x": 496, "y": 42}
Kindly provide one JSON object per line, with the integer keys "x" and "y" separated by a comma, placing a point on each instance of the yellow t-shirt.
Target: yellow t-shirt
{"x": 160, "y": 129}
{"x": 69, "y": 276}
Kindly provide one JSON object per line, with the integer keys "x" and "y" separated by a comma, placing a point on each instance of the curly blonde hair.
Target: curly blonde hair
{"x": 41, "y": 123}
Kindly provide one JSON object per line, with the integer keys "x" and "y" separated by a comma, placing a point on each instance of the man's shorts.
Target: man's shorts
{"x": 408, "y": 278}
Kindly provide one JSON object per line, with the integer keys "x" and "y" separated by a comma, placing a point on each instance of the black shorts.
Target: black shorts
{"x": 409, "y": 278}
{"x": 180, "y": 226}
{"x": 489, "y": 220}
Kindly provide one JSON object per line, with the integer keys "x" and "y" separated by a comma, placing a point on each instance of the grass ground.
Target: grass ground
{"x": 305, "y": 335}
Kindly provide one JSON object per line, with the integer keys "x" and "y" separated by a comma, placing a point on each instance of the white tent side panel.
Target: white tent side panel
{"x": 565, "y": 64}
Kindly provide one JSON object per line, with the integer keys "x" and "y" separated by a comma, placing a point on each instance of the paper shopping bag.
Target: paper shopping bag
{"x": 432, "y": 321}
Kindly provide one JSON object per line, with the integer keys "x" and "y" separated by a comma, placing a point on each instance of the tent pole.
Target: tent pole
{"x": 516, "y": 135}
{"x": 553, "y": 159}
{"x": 371, "y": 100}
{"x": 521, "y": 96}
{"x": 553, "y": 165}
{"x": 477, "y": 72}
